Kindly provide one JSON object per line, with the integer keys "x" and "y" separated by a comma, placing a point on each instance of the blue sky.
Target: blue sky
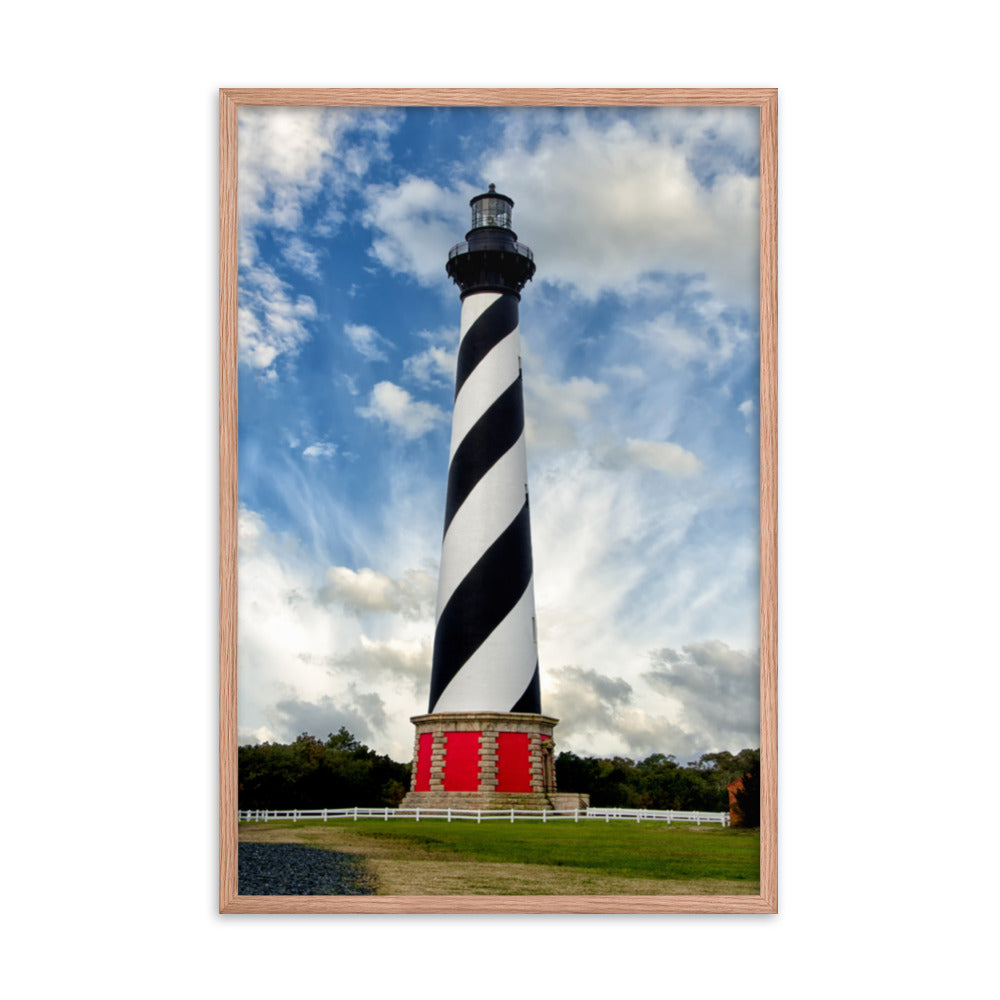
{"x": 640, "y": 358}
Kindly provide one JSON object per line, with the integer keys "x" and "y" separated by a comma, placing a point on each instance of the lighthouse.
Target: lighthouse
{"x": 484, "y": 742}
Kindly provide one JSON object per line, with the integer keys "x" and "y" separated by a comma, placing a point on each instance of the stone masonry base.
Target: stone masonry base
{"x": 486, "y": 760}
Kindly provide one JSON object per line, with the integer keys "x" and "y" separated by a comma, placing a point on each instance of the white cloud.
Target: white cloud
{"x": 416, "y": 222}
{"x": 291, "y": 160}
{"x": 365, "y": 340}
{"x": 289, "y": 156}
{"x": 272, "y": 321}
{"x": 748, "y": 408}
{"x": 710, "y": 337}
{"x": 408, "y": 659}
{"x": 628, "y": 373}
{"x": 434, "y": 366}
{"x": 366, "y": 590}
{"x": 395, "y": 407}
{"x": 303, "y": 662}
{"x": 605, "y": 200}
{"x": 321, "y": 449}
{"x": 301, "y": 256}
{"x": 663, "y": 456}
{"x": 554, "y": 409}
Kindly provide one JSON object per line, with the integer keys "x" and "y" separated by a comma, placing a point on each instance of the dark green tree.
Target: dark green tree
{"x": 310, "y": 774}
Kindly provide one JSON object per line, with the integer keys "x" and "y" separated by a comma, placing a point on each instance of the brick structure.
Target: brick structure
{"x": 511, "y": 753}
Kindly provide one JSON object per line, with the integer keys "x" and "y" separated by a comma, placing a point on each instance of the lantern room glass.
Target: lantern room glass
{"x": 491, "y": 211}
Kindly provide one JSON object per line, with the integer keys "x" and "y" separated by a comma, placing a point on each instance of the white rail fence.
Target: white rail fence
{"x": 481, "y": 815}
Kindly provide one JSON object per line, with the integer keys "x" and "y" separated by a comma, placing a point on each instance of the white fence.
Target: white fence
{"x": 480, "y": 815}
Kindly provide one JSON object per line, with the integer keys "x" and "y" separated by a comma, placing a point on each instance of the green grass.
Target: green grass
{"x": 619, "y": 848}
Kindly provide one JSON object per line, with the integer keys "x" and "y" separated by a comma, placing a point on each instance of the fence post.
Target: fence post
{"x": 479, "y": 813}
{"x": 512, "y": 815}
{"x": 698, "y": 818}
{"x": 355, "y": 814}
{"x": 418, "y": 814}
{"x": 576, "y": 815}
{"x": 324, "y": 815}
{"x": 449, "y": 814}
{"x": 637, "y": 815}
{"x": 607, "y": 817}
{"x": 386, "y": 814}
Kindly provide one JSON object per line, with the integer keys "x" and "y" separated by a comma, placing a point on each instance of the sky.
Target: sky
{"x": 640, "y": 344}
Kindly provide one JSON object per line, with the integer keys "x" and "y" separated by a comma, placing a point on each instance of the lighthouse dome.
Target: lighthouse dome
{"x": 491, "y": 209}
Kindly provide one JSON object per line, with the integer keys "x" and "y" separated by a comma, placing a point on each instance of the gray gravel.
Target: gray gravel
{"x": 294, "y": 870}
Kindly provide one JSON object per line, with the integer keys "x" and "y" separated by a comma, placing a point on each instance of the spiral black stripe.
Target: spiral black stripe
{"x": 531, "y": 700}
{"x": 489, "y": 438}
{"x": 495, "y": 322}
{"x": 481, "y": 602}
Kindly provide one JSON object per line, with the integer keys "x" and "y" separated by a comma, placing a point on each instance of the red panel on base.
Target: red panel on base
{"x": 513, "y": 762}
{"x": 461, "y": 762}
{"x": 424, "y": 748}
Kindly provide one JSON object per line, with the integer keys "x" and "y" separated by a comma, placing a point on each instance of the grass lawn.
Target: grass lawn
{"x": 434, "y": 857}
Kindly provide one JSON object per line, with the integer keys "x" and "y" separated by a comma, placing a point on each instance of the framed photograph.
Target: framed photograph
{"x": 498, "y": 501}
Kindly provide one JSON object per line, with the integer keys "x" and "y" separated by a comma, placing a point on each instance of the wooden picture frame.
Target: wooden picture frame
{"x": 230, "y": 102}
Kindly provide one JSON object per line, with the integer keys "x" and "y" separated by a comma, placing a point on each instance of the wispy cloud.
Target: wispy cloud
{"x": 289, "y": 157}
{"x": 273, "y": 320}
{"x": 320, "y": 449}
{"x": 367, "y": 590}
{"x": 301, "y": 256}
{"x": 365, "y": 340}
{"x": 304, "y": 666}
{"x": 556, "y": 408}
{"x": 663, "y": 456}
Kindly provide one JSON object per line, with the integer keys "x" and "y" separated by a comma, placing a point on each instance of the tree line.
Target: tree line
{"x": 341, "y": 772}
{"x": 313, "y": 774}
{"x": 660, "y": 782}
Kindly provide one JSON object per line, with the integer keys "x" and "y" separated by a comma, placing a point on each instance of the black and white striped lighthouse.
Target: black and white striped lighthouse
{"x": 484, "y": 741}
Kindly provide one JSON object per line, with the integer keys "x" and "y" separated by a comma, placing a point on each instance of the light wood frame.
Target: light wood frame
{"x": 230, "y": 100}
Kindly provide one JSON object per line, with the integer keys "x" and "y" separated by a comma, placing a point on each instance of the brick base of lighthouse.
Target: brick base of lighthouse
{"x": 485, "y": 760}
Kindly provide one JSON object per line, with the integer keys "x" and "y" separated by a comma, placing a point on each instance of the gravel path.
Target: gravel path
{"x": 294, "y": 870}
